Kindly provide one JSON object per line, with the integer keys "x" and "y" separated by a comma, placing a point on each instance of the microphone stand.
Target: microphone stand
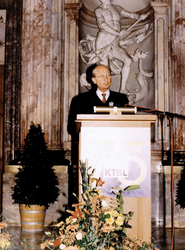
{"x": 156, "y": 111}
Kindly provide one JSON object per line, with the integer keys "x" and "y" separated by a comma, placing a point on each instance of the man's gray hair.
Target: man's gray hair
{"x": 93, "y": 73}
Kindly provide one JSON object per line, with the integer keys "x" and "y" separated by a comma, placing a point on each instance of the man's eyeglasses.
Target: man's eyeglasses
{"x": 103, "y": 76}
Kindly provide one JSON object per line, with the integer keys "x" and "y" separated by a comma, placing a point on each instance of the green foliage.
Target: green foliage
{"x": 36, "y": 182}
{"x": 151, "y": 246}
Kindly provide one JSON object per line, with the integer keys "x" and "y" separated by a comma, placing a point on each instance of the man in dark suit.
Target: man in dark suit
{"x": 100, "y": 79}
{"x": 100, "y": 95}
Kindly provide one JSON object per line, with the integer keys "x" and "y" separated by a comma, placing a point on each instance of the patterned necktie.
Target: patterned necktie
{"x": 104, "y": 100}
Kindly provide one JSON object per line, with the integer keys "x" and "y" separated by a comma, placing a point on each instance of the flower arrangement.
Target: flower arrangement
{"x": 5, "y": 242}
{"x": 94, "y": 224}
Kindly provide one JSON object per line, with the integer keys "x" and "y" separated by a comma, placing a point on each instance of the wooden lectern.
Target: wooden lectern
{"x": 119, "y": 148}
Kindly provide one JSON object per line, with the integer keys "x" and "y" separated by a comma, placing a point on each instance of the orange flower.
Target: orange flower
{"x": 82, "y": 203}
{"x": 72, "y": 227}
{"x": 86, "y": 211}
{"x": 57, "y": 242}
{"x": 77, "y": 213}
{"x": 45, "y": 244}
{"x": 99, "y": 182}
{"x": 102, "y": 197}
{"x": 3, "y": 224}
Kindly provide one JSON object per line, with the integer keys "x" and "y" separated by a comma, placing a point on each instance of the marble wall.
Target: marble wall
{"x": 42, "y": 67}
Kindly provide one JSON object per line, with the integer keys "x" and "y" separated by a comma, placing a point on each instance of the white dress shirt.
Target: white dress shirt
{"x": 99, "y": 94}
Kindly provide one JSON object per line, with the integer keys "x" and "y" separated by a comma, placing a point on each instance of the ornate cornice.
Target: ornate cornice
{"x": 72, "y": 10}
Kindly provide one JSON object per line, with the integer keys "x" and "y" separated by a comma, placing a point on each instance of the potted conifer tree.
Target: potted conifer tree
{"x": 35, "y": 183}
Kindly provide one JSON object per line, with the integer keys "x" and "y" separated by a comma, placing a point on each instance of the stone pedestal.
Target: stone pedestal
{"x": 162, "y": 197}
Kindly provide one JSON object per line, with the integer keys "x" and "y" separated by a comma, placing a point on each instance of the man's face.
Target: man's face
{"x": 102, "y": 78}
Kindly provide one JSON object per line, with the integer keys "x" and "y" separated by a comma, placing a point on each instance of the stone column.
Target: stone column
{"x": 177, "y": 74}
{"x": 161, "y": 63}
{"x": 71, "y": 70}
{"x": 12, "y": 78}
{"x": 41, "y": 91}
{"x": 161, "y": 25}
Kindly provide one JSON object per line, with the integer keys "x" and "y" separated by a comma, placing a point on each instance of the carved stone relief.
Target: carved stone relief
{"x": 125, "y": 45}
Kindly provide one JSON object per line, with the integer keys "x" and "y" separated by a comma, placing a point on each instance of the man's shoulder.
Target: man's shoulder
{"x": 118, "y": 94}
{"x": 119, "y": 98}
{"x": 83, "y": 96}
{"x": 118, "y": 8}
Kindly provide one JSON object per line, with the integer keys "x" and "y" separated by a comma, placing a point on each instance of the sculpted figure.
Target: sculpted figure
{"x": 108, "y": 47}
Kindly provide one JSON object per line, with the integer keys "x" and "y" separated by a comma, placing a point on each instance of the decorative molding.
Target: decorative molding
{"x": 72, "y": 11}
{"x": 71, "y": 71}
{"x": 161, "y": 64}
{"x": 14, "y": 169}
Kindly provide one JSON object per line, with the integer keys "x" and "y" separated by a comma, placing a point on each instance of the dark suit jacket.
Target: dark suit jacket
{"x": 85, "y": 102}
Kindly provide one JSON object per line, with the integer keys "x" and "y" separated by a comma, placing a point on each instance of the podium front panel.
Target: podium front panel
{"x": 119, "y": 149}
{"x": 120, "y": 155}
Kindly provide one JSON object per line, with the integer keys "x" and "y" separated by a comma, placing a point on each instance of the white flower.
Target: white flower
{"x": 104, "y": 203}
{"x": 62, "y": 246}
{"x": 79, "y": 236}
{"x": 74, "y": 220}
